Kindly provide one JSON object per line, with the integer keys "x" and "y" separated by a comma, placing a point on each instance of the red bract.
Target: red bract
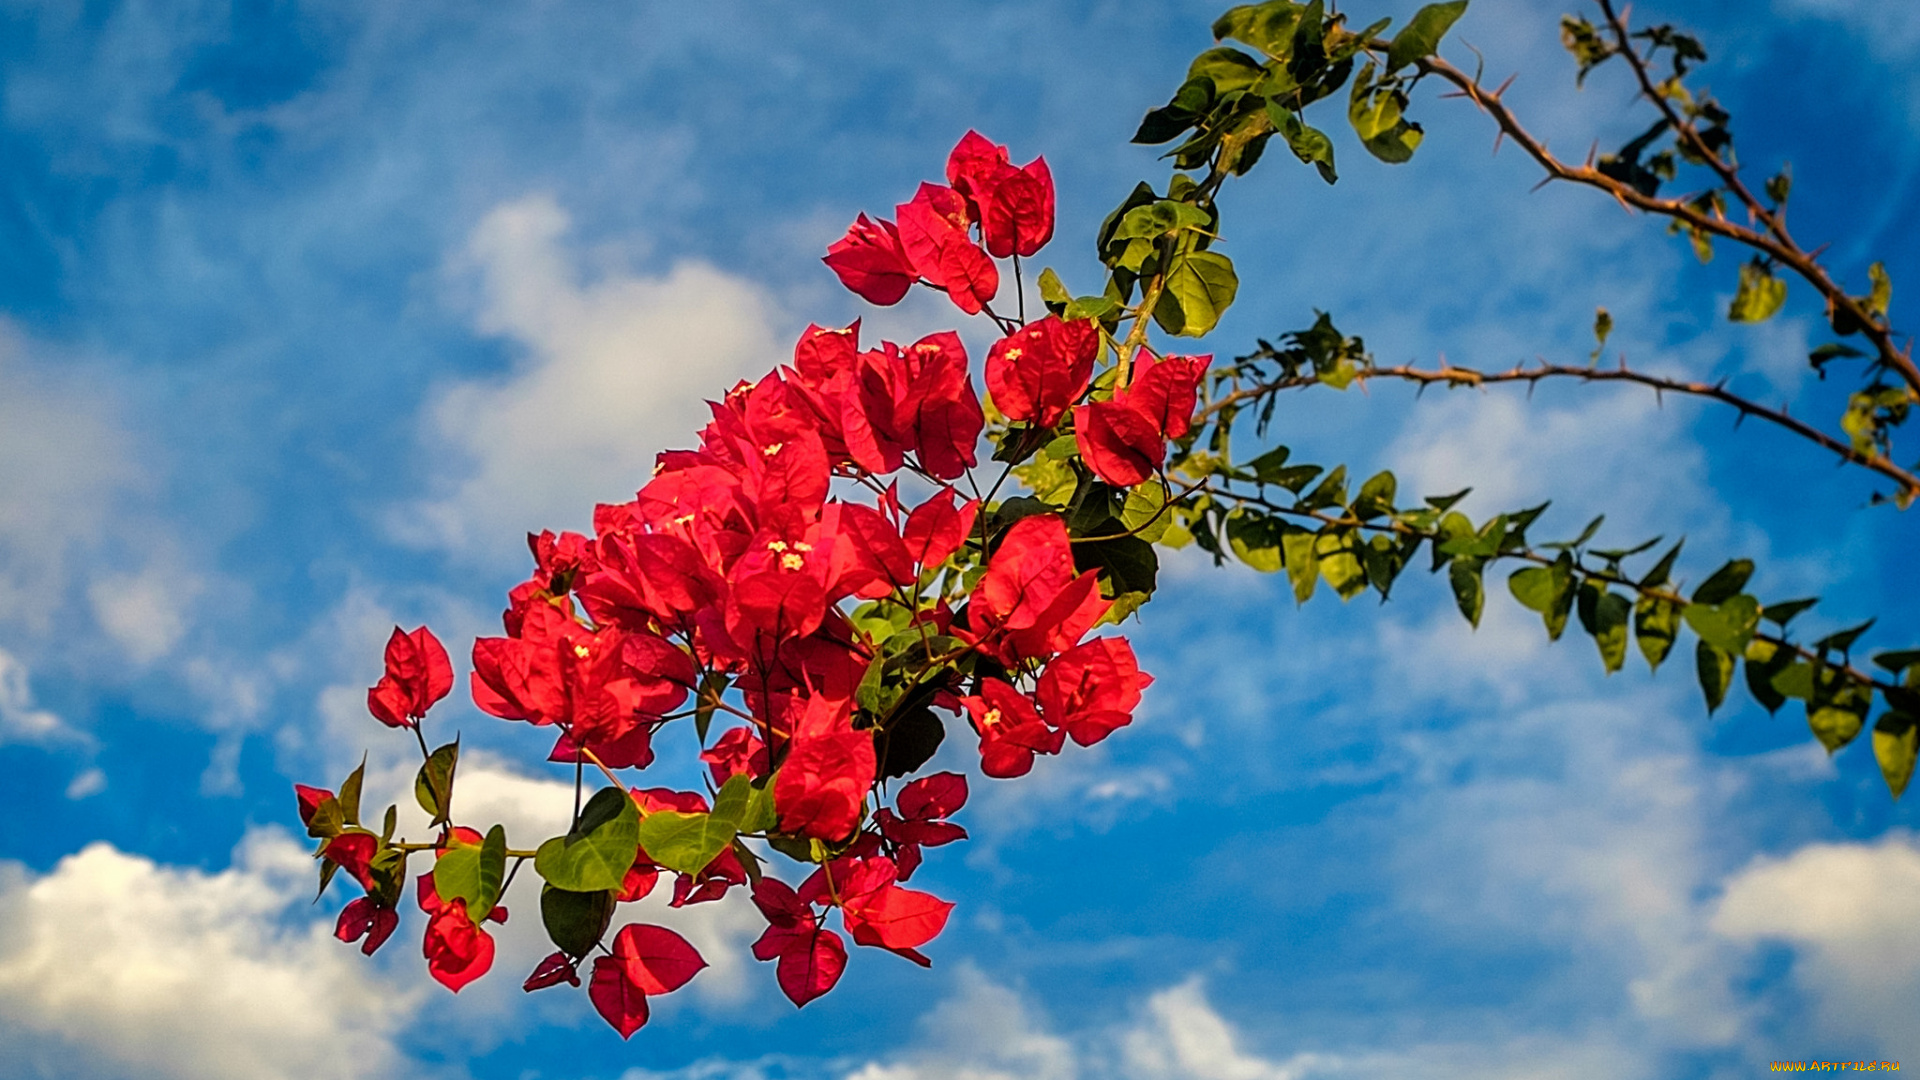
{"x": 310, "y": 800}
{"x": 1038, "y": 372}
{"x": 1165, "y": 392}
{"x": 737, "y": 751}
{"x": 1011, "y": 731}
{"x": 937, "y": 403}
{"x": 557, "y": 968}
{"x": 1014, "y": 206}
{"x": 923, "y": 804}
{"x": 457, "y": 950}
{"x": 820, "y": 788}
{"x": 362, "y": 918}
{"x": 658, "y": 961}
{"x": 418, "y": 674}
{"x": 871, "y": 261}
{"x": 812, "y": 958}
{"x": 1091, "y": 690}
{"x": 1118, "y": 442}
{"x": 935, "y": 529}
{"x": 617, "y": 999}
{"x": 933, "y": 228}
{"x": 1124, "y": 441}
{"x": 1031, "y": 604}
{"x": 354, "y": 852}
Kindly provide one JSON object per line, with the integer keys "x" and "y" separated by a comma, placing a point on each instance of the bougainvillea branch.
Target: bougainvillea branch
{"x": 826, "y": 574}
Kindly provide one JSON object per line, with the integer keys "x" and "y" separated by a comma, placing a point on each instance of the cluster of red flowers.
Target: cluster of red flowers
{"x": 778, "y": 575}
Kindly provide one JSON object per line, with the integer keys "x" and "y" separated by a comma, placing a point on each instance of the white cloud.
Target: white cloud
{"x": 65, "y": 462}
{"x": 20, "y": 720}
{"x": 145, "y": 612}
{"x": 613, "y": 374}
{"x": 959, "y": 1046}
{"x": 1852, "y": 911}
{"x": 111, "y": 964}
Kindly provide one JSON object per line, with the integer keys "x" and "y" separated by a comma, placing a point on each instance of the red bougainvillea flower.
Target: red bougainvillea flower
{"x": 933, "y": 228}
{"x": 458, "y": 950}
{"x": 1124, "y": 441}
{"x": 871, "y": 261}
{"x": 1011, "y": 730}
{"x": 1091, "y": 690}
{"x": 819, "y": 791}
{"x": 877, "y": 911}
{"x": 1030, "y": 604}
{"x": 737, "y": 751}
{"x": 362, "y": 918}
{"x": 354, "y": 851}
{"x": 1118, "y": 442}
{"x": 1014, "y": 206}
{"x": 1038, "y": 372}
{"x": 924, "y": 805}
{"x": 418, "y": 674}
{"x": 812, "y": 958}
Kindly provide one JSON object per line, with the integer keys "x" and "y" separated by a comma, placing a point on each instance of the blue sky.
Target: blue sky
{"x": 308, "y": 313}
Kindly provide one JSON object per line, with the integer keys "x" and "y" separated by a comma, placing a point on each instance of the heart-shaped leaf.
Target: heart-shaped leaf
{"x": 597, "y": 853}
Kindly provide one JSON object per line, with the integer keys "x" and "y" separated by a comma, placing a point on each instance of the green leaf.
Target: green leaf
{"x": 1255, "y": 540}
{"x": 1895, "y": 738}
{"x": 911, "y": 738}
{"x": 712, "y": 685}
{"x": 1303, "y": 568}
{"x": 327, "y": 820}
{"x": 1715, "y": 669}
{"x": 1838, "y": 710}
{"x": 1899, "y": 661}
{"x": 1783, "y": 612}
{"x": 1421, "y": 36}
{"x": 1309, "y": 144}
{"x": 1764, "y": 661}
{"x": 1161, "y": 218}
{"x": 1052, "y": 292}
{"x": 1655, "y": 624}
{"x": 1268, "y": 465}
{"x": 1197, "y": 290}
{"x": 1725, "y": 583}
{"x": 1728, "y": 625}
{"x": 1329, "y": 492}
{"x": 1831, "y": 351}
{"x": 1145, "y": 513}
{"x": 1603, "y": 614}
{"x": 688, "y": 842}
{"x": 1547, "y": 590}
{"x": 1376, "y": 496}
{"x": 473, "y": 874}
{"x": 1227, "y": 67}
{"x": 349, "y": 796}
{"x": 1882, "y": 295}
{"x": 1662, "y": 569}
{"x": 1268, "y": 27}
{"x": 1469, "y": 590}
{"x": 575, "y": 921}
{"x": 1337, "y": 551}
{"x": 1759, "y": 295}
{"x": 433, "y": 785}
{"x": 599, "y": 850}
{"x": 685, "y": 842}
